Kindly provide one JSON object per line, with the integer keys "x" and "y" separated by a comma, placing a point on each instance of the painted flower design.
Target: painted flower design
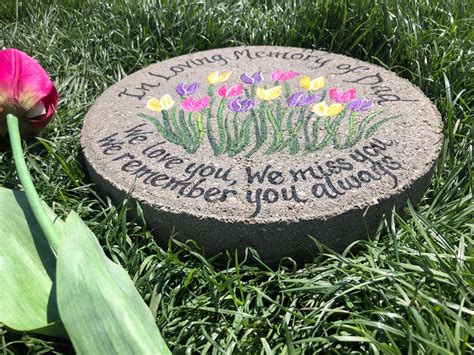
{"x": 241, "y": 105}
{"x": 342, "y": 96}
{"x": 25, "y": 91}
{"x": 185, "y": 89}
{"x": 361, "y": 105}
{"x": 252, "y": 79}
{"x": 323, "y": 110}
{"x": 268, "y": 94}
{"x": 218, "y": 77}
{"x": 312, "y": 84}
{"x": 284, "y": 75}
{"x": 192, "y": 105}
{"x": 302, "y": 99}
{"x": 225, "y": 92}
{"x": 158, "y": 105}
{"x": 245, "y": 117}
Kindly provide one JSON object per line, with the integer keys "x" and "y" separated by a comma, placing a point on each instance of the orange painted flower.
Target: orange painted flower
{"x": 26, "y": 91}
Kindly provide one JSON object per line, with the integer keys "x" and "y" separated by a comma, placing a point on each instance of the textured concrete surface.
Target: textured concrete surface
{"x": 271, "y": 202}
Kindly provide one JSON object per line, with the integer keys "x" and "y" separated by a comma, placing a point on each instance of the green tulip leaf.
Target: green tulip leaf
{"x": 99, "y": 305}
{"x": 27, "y": 269}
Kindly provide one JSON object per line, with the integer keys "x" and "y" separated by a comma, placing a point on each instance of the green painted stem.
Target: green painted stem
{"x": 221, "y": 127}
{"x": 278, "y": 136}
{"x": 34, "y": 200}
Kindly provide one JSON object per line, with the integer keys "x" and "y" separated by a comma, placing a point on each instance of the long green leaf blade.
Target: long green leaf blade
{"x": 27, "y": 269}
{"x": 98, "y": 302}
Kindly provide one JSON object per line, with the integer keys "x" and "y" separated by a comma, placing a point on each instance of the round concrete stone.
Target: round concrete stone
{"x": 263, "y": 147}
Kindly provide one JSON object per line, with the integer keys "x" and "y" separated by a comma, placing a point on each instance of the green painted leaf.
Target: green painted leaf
{"x": 98, "y": 302}
{"x": 27, "y": 268}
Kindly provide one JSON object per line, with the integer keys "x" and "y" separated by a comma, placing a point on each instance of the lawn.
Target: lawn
{"x": 409, "y": 289}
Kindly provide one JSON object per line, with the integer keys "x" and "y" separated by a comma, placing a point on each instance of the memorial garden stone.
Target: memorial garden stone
{"x": 263, "y": 147}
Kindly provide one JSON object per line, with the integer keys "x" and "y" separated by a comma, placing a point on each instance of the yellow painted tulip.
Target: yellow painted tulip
{"x": 320, "y": 109}
{"x": 218, "y": 77}
{"x": 268, "y": 94}
{"x": 334, "y": 109}
{"x": 315, "y": 84}
{"x": 165, "y": 103}
{"x": 323, "y": 110}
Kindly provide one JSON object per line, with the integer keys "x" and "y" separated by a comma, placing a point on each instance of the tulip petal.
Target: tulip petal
{"x": 282, "y": 75}
{"x": 213, "y": 77}
{"x": 320, "y": 109}
{"x": 247, "y": 78}
{"x": 192, "y": 88}
{"x": 181, "y": 89}
{"x": 334, "y": 109}
{"x": 276, "y": 75}
{"x": 349, "y": 95}
{"x": 274, "y": 92}
{"x": 335, "y": 94}
{"x": 342, "y": 97}
{"x": 317, "y": 83}
{"x": 235, "y": 90}
{"x": 50, "y": 103}
{"x": 296, "y": 99}
{"x": 188, "y": 104}
{"x": 311, "y": 99}
{"x": 366, "y": 105}
{"x": 289, "y": 75}
{"x": 38, "y": 110}
{"x": 224, "y": 76}
{"x": 257, "y": 77}
{"x": 356, "y": 105}
{"x": 217, "y": 77}
{"x": 260, "y": 93}
{"x": 241, "y": 105}
{"x": 222, "y": 91}
{"x": 360, "y": 105}
{"x": 166, "y": 102}
{"x": 268, "y": 94}
{"x": 305, "y": 82}
{"x": 191, "y": 106}
{"x": 154, "y": 104}
{"x": 202, "y": 103}
{"x": 30, "y": 81}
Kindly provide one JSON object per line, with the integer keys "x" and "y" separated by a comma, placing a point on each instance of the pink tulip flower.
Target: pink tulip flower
{"x": 26, "y": 92}
{"x": 225, "y": 91}
{"x": 342, "y": 96}
{"x": 191, "y": 105}
{"x": 284, "y": 75}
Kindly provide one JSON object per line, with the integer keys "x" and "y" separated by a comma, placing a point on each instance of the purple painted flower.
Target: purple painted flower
{"x": 361, "y": 105}
{"x": 241, "y": 105}
{"x": 184, "y": 89}
{"x": 252, "y": 79}
{"x": 302, "y": 99}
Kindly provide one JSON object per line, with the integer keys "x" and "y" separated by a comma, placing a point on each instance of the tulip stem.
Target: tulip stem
{"x": 32, "y": 196}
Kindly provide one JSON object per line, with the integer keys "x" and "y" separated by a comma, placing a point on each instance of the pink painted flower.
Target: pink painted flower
{"x": 25, "y": 91}
{"x": 284, "y": 75}
{"x": 225, "y": 91}
{"x": 342, "y": 96}
{"x": 192, "y": 105}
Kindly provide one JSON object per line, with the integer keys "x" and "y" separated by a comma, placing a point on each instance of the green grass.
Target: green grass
{"x": 408, "y": 290}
